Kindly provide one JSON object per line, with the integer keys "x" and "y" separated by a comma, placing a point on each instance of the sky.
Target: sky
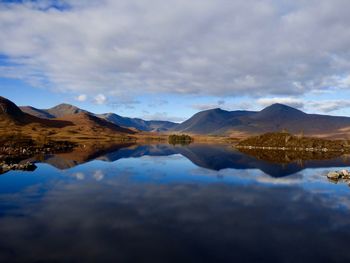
{"x": 162, "y": 59}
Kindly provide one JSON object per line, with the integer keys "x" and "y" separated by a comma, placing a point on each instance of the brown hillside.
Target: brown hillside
{"x": 13, "y": 115}
{"x": 75, "y": 128}
{"x": 86, "y": 121}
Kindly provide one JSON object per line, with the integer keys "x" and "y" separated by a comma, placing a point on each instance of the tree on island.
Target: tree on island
{"x": 182, "y": 139}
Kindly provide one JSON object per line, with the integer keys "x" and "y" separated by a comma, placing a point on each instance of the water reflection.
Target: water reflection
{"x": 163, "y": 203}
{"x": 213, "y": 157}
{"x": 124, "y": 221}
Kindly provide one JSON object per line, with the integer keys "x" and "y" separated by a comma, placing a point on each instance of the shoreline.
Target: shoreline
{"x": 296, "y": 149}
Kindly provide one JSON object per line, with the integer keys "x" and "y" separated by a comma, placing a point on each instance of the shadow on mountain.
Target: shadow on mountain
{"x": 213, "y": 157}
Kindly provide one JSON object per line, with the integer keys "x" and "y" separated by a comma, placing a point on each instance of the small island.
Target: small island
{"x": 285, "y": 148}
{"x": 288, "y": 142}
{"x": 183, "y": 139}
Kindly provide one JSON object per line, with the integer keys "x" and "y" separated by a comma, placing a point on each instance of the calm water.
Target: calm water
{"x": 160, "y": 203}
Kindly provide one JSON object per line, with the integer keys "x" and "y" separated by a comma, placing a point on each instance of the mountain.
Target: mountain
{"x": 86, "y": 121}
{"x": 64, "y": 109}
{"x": 273, "y": 118}
{"x": 37, "y": 112}
{"x": 213, "y": 121}
{"x": 11, "y": 115}
{"x": 280, "y": 111}
{"x": 54, "y": 112}
{"x": 76, "y": 127}
{"x": 140, "y": 124}
{"x": 9, "y": 110}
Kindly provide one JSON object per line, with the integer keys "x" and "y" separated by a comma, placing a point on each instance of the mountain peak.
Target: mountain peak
{"x": 279, "y": 106}
{"x": 280, "y": 110}
{"x": 64, "y": 109}
{"x": 64, "y": 106}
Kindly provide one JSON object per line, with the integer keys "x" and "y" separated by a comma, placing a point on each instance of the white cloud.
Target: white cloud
{"x": 328, "y": 106}
{"x": 100, "y": 99}
{"x": 98, "y": 175}
{"x": 345, "y": 82}
{"x": 323, "y": 106}
{"x": 223, "y": 104}
{"x": 288, "y": 180}
{"x": 81, "y": 97}
{"x": 310, "y": 106}
{"x": 207, "y": 47}
{"x": 122, "y": 103}
{"x": 79, "y": 176}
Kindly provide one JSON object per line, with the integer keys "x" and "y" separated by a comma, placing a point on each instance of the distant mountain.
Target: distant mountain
{"x": 140, "y": 124}
{"x": 67, "y": 109}
{"x": 274, "y": 118}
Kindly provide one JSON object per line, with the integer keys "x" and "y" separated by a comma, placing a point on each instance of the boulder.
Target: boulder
{"x": 345, "y": 174}
{"x": 334, "y": 175}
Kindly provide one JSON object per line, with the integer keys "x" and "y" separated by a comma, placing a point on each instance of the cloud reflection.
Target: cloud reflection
{"x": 122, "y": 220}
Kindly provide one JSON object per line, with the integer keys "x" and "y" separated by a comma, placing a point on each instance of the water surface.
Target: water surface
{"x": 163, "y": 203}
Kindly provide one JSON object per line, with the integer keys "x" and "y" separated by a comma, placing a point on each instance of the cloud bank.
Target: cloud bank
{"x": 204, "y": 47}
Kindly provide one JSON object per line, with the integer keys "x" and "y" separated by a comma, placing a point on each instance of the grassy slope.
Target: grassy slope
{"x": 77, "y": 129}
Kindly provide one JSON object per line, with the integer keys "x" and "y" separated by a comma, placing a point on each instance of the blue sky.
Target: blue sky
{"x": 157, "y": 60}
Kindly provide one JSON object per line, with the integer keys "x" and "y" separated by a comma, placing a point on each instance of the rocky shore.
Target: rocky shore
{"x": 9, "y": 152}
{"x": 339, "y": 176}
{"x": 307, "y": 149}
{"x": 27, "y": 166}
{"x": 15, "y": 149}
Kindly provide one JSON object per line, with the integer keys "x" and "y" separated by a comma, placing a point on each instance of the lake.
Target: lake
{"x": 164, "y": 203}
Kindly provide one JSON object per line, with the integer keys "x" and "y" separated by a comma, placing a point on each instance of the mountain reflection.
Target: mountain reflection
{"x": 148, "y": 203}
{"x": 213, "y": 157}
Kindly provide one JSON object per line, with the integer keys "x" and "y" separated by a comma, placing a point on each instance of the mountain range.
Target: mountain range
{"x": 76, "y": 126}
{"x": 238, "y": 123}
{"x": 273, "y": 118}
{"x": 67, "y": 109}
